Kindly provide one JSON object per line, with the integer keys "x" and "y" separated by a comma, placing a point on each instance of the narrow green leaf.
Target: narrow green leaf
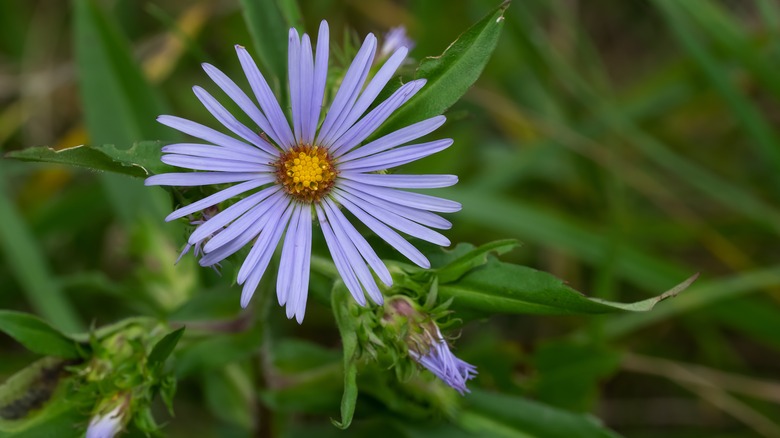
{"x": 120, "y": 106}
{"x": 751, "y": 117}
{"x": 35, "y": 402}
{"x": 499, "y": 415}
{"x": 698, "y": 297}
{"x": 268, "y": 27}
{"x": 164, "y": 347}
{"x": 451, "y": 74}
{"x": 28, "y": 264}
{"x": 472, "y": 259}
{"x": 140, "y": 160}
{"x": 501, "y": 287}
{"x": 341, "y": 301}
{"x": 37, "y": 335}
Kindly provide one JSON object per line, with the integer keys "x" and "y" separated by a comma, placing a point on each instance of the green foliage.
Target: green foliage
{"x": 623, "y": 164}
{"x": 347, "y": 324}
{"x": 451, "y": 74}
{"x": 139, "y": 161}
{"x": 37, "y": 335}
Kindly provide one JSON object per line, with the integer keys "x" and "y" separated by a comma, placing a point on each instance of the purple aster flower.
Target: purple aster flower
{"x": 435, "y": 355}
{"x": 295, "y": 172}
{"x": 107, "y": 425}
{"x": 394, "y": 39}
{"x": 423, "y": 340}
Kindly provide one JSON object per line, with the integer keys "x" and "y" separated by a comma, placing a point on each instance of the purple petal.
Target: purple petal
{"x": 299, "y": 289}
{"x": 402, "y": 181}
{"x": 391, "y": 237}
{"x": 422, "y": 217}
{"x": 352, "y": 255}
{"x": 345, "y": 270}
{"x": 220, "y": 196}
{"x": 368, "y": 124}
{"x": 239, "y": 226}
{"x": 308, "y": 127}
{"x": 242, "y": 240}
{"x": 287, "y": 262}
{"x": 295, "y": 80}
{"x": 205, "y": 133}
{"x": 396, "y": 157}
{"x": 396, "y": 221}
{"x": 230, "y": 122}
{"x": 230, "y": 214}
{"x": 320, "y": 78}
{"x": 279, "y": 125}
{"x": 372, "y": 90}
{"x": 338, "y": 219}
{"x": 212, "y": 151}
{"x": 348, "y": 91}
{"x": 188, "y": 179}
{"x": 395, "y": 138}
{"x": 242, "y": 100}
{"x": 214, "y": 164}
{"x": 409, "y": 199}
{"x": 257, "y": 261}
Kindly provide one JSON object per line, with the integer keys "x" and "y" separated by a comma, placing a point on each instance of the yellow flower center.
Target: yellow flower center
{"x": 306, "y": 172}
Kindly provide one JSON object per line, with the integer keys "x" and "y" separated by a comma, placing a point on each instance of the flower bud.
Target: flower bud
{"x": 108, "y": 423}
{"x": 425, "y": 343}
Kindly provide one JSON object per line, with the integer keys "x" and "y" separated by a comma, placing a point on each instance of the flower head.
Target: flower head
{"x": 394, "y": 39}
{"x": 109, "y": 424}
{"x": 426, "y": 345}
{"x": 294, "y": 172}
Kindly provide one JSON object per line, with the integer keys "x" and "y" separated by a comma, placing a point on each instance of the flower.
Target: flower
{"x": 298, "y": 172}
{"x": 425, "y": 344}
{"x": 435, "y": 355}
{"x": 394, "y": 39}
{"x": 107, "y": 425}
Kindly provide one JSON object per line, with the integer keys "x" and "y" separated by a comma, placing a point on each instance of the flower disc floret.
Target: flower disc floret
{"x": 306, "y": 172}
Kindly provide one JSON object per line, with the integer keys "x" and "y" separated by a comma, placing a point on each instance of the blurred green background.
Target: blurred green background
{"x": 627, "y": 143}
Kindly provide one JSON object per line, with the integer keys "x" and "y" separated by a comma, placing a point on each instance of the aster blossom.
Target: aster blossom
{"x": 292, "y": 173}
{"x": 435, "y": 355}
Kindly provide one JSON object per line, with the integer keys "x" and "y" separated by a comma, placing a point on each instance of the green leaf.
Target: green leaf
{"x": 472, "y": 259}
{"x": 164, "y": 347}
{"x": 341, "y": 301}
{"x": 29, "y": 389}
{"x": 37, "y": 335}
{"x": 498, "y": 415}
{"x": 451, "y": 74}
{"x": 216, "y": 351}
{"x": 568, "y": 373}
{"x": 25, "y": 259}
{"x": 120, "y": 106}
{"x": 229, "y": 395}
{"x": 140, "y": 160}
{"x": 501, "y": 287}
{"x": 268, "y": 27}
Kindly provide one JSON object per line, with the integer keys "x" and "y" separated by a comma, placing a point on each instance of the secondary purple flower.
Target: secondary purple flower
{"x": 294, "y": 172}
{"x": 108, "y": 424}
{"x": 435, "y": 355}
{"x": 394, "y": 39}
{"x": 422, "y": 339}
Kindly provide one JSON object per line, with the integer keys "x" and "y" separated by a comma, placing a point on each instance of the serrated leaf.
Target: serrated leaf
{"x": 37, "y": 335}
{"x": 451, "y": 74}
{"x": 472, "y": 259}
{"x": 501, "y": 287}
{"x": 164, "y": 347}
{"x": 140, "y": 160}
{"x": 346, "y": 322}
